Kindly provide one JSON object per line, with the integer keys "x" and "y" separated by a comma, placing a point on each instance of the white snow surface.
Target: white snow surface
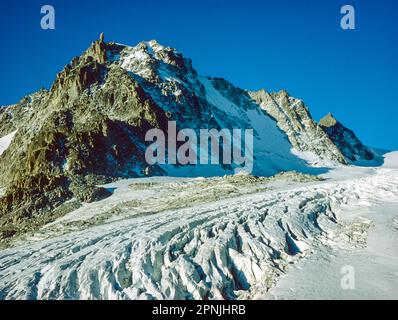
{"x": 6, "y": 141}
{"x": 234, "y": 247}
{"x": 374, "y": 266}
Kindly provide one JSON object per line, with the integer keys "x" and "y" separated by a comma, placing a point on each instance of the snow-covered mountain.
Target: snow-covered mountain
{"x": 83, "y": 215}
{"x": 89, "y": 128}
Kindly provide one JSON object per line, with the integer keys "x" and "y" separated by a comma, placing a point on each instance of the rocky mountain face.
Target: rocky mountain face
{"x": 89, "y": 128}
{"x": 345, "y": 139}
{"x": 85, "y": 130}
{"x": 294, "y": 118}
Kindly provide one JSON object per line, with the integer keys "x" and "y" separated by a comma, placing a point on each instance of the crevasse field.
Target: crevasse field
{"x": 232, "y": 237}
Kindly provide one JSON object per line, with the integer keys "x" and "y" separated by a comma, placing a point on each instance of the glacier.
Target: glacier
{"x": 179, "y": 238}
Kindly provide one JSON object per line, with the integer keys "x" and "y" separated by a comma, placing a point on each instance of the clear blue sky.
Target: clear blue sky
{"x": 296, "y": 45}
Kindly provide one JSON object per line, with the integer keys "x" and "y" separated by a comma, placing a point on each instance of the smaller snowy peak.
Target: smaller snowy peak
{"x": 345, "y": 139}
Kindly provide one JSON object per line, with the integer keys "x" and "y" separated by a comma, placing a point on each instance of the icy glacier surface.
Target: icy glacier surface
{"x": 173, "y": 238}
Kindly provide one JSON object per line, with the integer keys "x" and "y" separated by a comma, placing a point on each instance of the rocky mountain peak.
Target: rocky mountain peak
{"x": 328, "y": 121}
{"x": 345, "y": 139}
{"x": 102, "y": 37}
{"x": 97, "y": 51}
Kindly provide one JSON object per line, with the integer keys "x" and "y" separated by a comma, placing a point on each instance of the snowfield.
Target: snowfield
{"x": 175, "y": 238}
{"x": 6, "y": 141}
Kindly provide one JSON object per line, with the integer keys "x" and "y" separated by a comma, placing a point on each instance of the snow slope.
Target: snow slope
{"x": 375, "y": 266}
{"x": 6, "y": 141}
{"x": 210, "y": 246}
{"x": 272, "y": 150}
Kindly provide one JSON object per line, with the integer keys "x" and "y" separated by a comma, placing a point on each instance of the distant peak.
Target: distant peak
{"x": 328, "y": 121}
{"x": 102, "y": 37}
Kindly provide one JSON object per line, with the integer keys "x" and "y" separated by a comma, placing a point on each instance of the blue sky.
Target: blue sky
{"x": 293, "y": 45}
